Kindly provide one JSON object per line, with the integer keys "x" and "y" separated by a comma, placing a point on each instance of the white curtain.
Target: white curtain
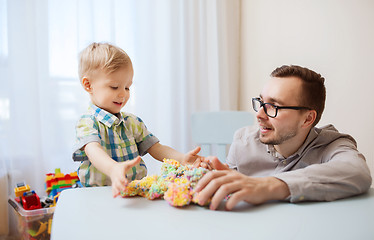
{"x": 185, "y": 55}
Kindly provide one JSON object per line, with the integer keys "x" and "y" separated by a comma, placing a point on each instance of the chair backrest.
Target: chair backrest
{"x": 213, "y": 131}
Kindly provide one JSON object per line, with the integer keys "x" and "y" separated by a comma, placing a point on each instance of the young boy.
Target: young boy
{"x": 109, "y": 142}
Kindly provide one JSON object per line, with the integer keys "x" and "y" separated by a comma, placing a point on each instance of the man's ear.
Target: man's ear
{"x": 86, "y": 84}
{"x": 310, "y": 118}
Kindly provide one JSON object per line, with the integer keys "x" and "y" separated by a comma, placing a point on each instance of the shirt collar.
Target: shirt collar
{"x": 106, "y": 117}
{"x": 273, "y": 152}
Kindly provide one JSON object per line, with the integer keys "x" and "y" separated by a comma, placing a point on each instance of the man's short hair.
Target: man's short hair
{"x": 314, "y": 91}
{"x": 101, "y": 56}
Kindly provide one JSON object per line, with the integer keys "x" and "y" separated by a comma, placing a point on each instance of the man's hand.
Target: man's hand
{"x": 118, "y": 175}
{"x": 255, "y": 190}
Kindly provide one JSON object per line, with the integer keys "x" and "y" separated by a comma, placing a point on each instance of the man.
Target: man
{"x": 287, "y": 157}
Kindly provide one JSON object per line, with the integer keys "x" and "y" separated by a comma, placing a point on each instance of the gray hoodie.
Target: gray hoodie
{"x": 326, "y": 167}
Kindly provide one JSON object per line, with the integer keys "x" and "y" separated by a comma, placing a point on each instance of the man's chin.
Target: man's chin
{"x": 268, "y": 141}
{"x": 264, "y": 140}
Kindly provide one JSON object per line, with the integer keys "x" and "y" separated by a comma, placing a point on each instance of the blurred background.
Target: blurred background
{"x": 188, "y": 56}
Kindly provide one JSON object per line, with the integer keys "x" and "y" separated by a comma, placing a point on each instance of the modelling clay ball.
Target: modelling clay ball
{"x": 194, "y": 175}
{"x": 178, "y": 193}
{"x": 169, "y": 167}
{"x": 175, "y": 184}
{"x": 157, "y": 189}
{"x": 140, "y": 187}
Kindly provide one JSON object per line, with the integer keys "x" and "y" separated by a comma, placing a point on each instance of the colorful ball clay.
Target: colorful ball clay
{"x": 178, "y": 193}
{"x": 175, "y": 184}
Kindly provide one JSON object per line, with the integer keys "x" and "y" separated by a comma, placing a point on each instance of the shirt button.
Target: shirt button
{"x": 301, "y": 198}
{"x": 284, "y": 162}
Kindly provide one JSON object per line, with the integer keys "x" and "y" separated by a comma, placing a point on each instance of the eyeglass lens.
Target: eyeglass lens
{"x": 269, "y": 109}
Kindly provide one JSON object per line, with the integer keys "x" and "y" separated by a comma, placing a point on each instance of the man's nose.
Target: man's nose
{"x": 261, "y": 113}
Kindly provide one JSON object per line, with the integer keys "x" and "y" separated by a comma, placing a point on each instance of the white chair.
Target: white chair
{"x": 214, "y": 131}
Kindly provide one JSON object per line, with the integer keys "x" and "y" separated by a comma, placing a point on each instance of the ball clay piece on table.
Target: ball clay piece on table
{"x": 175, "y": 184}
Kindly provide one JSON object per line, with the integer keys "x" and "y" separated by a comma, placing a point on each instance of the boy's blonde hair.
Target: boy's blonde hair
{"x": 101, "y": 56}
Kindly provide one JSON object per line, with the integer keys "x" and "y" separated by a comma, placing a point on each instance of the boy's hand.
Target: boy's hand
{"x": 191, "y": 156}
{"x": 118, "y": 175}
{"x": 203, "y": 162}
{"x": 210, "y": 163}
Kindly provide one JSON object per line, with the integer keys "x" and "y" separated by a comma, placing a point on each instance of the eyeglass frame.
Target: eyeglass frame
{"x": 262, "y": 104}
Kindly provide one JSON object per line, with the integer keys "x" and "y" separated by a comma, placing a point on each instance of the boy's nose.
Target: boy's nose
{"x": 122, "y": 93}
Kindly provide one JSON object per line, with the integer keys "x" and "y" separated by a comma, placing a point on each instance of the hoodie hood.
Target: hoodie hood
{"x": 327, "y": 134}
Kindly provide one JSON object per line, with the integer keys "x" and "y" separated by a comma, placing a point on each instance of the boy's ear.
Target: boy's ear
{"x": 86, "y": 84}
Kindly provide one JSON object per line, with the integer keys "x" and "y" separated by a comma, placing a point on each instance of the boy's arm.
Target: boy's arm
{"x": 159, "y": 152}
{"x": 99, "y": 158}
{"x": 105, "y": 164}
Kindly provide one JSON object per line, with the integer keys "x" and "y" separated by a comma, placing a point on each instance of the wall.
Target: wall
{"x": 332, "y": 37}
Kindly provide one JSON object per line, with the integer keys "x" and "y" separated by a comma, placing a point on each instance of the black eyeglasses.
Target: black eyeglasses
{"x": 270, "y": 109}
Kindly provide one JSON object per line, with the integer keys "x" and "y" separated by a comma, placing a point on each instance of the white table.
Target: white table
{"x": 92, "y": 213}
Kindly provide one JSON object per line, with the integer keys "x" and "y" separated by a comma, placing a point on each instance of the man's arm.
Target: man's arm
{"x": 343, "y": 174}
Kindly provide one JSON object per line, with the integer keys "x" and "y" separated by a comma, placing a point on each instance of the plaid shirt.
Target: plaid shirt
{"x": 123, "y": 136}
